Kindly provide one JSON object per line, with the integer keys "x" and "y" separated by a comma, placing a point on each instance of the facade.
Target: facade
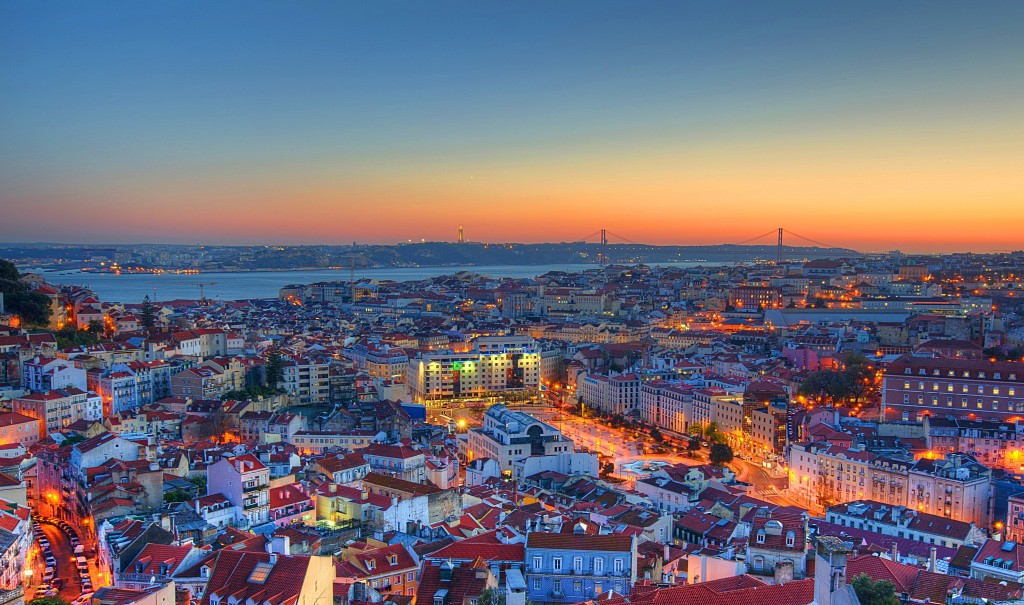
{"x": 396, "y": 461}
{"x": 245, "y": 482}
{"x": 611, "y": 394}
{"x": 915, "y": 387}
{"x": 906, "y": 523}
{"x": 667, "y": 405}
{"x": 55, "y": 410}
{"x": 19, "y": 429}
{"x": 510, "y": 368}
{"x": 307, "y": 379}
{"x": 508, "y": 435}
{"x": 577, "y": 567}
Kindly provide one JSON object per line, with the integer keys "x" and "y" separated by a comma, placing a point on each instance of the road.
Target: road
{"x": 66, "y": 569}
{"x": 622, "y": 445}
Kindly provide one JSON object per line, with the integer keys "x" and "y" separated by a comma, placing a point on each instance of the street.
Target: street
{"x": 66, "y": 569}
{"x": 622, "y": 445}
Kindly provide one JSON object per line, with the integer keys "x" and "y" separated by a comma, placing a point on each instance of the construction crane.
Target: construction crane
{"x": 202, "y": 297}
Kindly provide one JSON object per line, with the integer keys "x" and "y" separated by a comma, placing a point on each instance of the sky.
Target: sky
{"x": 870, "y": 125}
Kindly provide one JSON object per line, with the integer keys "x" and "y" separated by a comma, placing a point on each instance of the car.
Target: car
{"x": 58, "y": 582}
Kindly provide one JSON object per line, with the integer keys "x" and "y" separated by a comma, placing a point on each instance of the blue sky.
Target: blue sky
{"x": 378, "y": 121}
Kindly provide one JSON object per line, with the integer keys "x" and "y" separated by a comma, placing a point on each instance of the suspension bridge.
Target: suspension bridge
{"x": 777, "y": 241}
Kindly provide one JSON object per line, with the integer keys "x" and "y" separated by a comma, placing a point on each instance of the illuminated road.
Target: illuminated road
{"x": 622, "y": 445}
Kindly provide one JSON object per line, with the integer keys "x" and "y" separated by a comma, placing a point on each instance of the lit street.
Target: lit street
{"x": 66, "y": 569}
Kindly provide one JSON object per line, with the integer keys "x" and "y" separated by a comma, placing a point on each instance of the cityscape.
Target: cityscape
{"x": 511, "y": 304}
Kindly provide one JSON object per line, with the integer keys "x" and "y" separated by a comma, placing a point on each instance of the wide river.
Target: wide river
{"x": 131, "y": 288}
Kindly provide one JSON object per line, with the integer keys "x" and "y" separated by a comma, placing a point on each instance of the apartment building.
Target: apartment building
{"x": 914, "y": 387}
{"x": 513, "y": 368}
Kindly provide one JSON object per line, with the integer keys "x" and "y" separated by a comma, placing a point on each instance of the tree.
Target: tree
{"x": 95, "y": 327}
{"x": 693, "y": 444}
{"x": 275, "y": 368}
{"x": 69, "y": 336}
{"x": 54, "y": 600}
{"x": 200, "y": 483}
{"x": 657, "y": 436}
{"x": 147, "y": 316}
{"x": 33, "y": 309}
{"x": 869, "y": 592}
{"x": 712, "y": 434}
{"x": 175, "y": 496}
{"x": 492, "y": 596}
{"x": 720, "y": 454}
{"x": 607, "y": 468}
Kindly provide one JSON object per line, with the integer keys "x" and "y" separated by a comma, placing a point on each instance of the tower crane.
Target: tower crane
{"x": 202, "y": 297}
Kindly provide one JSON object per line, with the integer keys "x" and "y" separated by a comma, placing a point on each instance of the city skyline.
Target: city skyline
{"x": 870, "y": 127}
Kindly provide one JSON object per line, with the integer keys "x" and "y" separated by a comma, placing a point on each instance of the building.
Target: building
{"x": 18, "y": 428}
{"x": 509, "y": 368}
{"x": 777, "y": 538}
{"x": 266, "y": 578}
{"x": 906, "y": 523}
{"x": 399, "y": 461}
{"x": 618, "y": 394}
{"x": 667, "y": 405}
{"x": 55, "y": 410}
{"x": 199, "y": 383}
{"x": 914, "y": 387}
{"x": 307, "y": 379}
{"x": 753, "y": 298}
{"x": 577, "y": 567}
{"x": 245, "y": 482}
{"x": 509, "y": 435}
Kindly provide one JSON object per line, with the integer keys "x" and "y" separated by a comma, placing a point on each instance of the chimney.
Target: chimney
{"x": 932, "y": 556}
{"x": 665, "y": 555}
{"x": 895, "y": 552}
{"x": 334, "y": 488}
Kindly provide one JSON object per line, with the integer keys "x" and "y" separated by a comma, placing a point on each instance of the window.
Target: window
{"x": 617, "y": 565}
{"x": 536, "y": 584}
{"x": 598, "y": 565}
{"x": 577, "y": 563}
{"x": 260, "y": 572}
{"x": 538, "y": 562}
{"x": 556, "y": 563}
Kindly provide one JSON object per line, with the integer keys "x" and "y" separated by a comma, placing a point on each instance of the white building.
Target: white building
{"x": 508, "y": 436}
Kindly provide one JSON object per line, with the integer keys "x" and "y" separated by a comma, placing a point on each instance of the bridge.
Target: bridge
{"x": 775, "y": 239}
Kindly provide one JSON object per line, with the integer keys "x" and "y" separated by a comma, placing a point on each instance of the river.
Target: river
{"x": 131, "y": 288}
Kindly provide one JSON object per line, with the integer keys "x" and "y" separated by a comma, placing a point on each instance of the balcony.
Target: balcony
{"x": 246, "y": 487}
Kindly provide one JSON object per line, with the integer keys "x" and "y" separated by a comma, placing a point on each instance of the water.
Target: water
{"x": 131, "y": 288}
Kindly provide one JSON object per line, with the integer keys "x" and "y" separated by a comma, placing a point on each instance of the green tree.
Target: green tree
{"x": 199, "y": 482}
{"x": 33, "y": 309}
{"x": 869, "y": 592}
{"x": 69, "y": 336}
{"x": 712, "y": 434}
{"x": 175, "y": 496}
{"x": 492, "y": 596}
{"x": 657, "y": 436}
{"x": 147, "y": 316}
{"x": 95, "y": 327}
{"x": 693, "y": 444}
{"x": 720, "y": 454}
{"x": 55, "y": 600}
{"x": 275, "y": 368}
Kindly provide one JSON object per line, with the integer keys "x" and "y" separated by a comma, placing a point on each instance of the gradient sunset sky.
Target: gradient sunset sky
{"x": 872, "y": 125}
